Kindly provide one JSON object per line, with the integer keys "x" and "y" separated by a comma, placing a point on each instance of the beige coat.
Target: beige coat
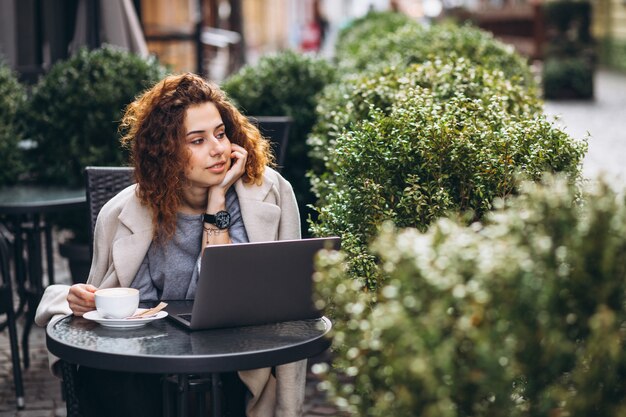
{"x": 122, "y": 237}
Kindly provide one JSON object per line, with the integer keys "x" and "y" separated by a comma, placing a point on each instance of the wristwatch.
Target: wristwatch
{"x": 221, "y": 219}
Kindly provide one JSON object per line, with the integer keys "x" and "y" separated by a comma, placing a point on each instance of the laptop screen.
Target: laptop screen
{"x": 254, "y": 283}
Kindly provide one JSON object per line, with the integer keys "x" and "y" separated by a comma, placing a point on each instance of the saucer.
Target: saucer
{"x": 126, "y": 323}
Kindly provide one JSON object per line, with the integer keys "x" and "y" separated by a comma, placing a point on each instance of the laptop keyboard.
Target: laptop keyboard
{"x": 185, "y": 317}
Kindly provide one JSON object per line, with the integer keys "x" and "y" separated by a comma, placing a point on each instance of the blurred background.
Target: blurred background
{"x": 216, "y": 37}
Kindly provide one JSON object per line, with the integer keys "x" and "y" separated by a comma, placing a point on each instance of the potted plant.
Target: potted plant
{"x": 72, "y": 118}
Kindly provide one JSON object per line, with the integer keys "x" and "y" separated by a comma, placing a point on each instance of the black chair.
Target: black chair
{"x": 6, "y": 307}
{"x": 276, "y": 129}
{"x": 101, "y": 184}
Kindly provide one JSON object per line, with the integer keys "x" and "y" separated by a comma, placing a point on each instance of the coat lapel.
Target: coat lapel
{"x": 260, "y": 212}
{"x": 130, "y": 250}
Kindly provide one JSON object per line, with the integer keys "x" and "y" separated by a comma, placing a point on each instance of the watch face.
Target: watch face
{"x": 222, "y": 219}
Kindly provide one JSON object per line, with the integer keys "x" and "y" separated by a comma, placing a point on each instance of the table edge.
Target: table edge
{"x": 190, "y": 364}
{"x": 42, "y": 206}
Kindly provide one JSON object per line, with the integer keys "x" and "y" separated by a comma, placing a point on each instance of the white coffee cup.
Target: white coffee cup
{"x": 117, "y": 303}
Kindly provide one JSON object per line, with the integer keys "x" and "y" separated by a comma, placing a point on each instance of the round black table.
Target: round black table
{"x": 22, "y": 210}
{"x": 164, "y": 347}
{"x": 35, "y": 199}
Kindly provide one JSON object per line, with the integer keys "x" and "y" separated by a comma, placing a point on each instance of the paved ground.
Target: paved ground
{"x": 604, "y": 118}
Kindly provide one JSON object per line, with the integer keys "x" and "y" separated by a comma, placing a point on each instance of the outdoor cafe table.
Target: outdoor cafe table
{"x": 22, "y": 210}
{"x": 163, "y": 347}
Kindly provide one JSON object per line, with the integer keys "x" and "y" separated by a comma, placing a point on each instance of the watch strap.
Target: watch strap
{"x": 221, "y": 219}
{"x": 208, "y": 218}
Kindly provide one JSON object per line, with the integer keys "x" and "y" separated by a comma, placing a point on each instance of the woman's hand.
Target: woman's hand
{"x": 237, "y": 168}
{"x": 81, "y": 298}
{"x": 216, "y": 197}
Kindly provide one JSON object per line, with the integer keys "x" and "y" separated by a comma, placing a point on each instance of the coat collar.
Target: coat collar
{"x": 136, "y": 217}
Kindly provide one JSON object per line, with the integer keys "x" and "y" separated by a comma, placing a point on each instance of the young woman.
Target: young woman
{"x": 203, "y": 178}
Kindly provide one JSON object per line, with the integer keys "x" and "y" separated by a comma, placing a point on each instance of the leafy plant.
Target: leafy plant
{"x": 431, "y": 141}
{"x": 355, "y": 39}
{"x": 12, "y": 97}
{"x": 413, "y": 43}
{"x": 285, "y": 84}
{"x": 343, "y": 104}
{"x": 567, "y": 78}
{"x": 73, "y": 113}
{"x": 522, "y": 315}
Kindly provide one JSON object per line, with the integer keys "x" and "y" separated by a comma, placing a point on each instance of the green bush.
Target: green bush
{"x": 75, "y": 108}
{"x": 452, "y": 57}
{"x": 354, "y": 39}
{"x": 455, "y": 146}
{"x": 343, "y": 104}
{"x": 413, "y": 43}
{"x": 567, "y": 78}
{"x": 12, "y": 97}
{"x": 285, "y": 84}
{"x": 523, "y": 315}
{"x": 73, "y": 115}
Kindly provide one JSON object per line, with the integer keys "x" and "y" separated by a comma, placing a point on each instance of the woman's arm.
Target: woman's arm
{"x": 216, "y": 200}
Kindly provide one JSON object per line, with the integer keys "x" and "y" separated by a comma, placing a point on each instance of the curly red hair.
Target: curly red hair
{"x": 153, "y": 128}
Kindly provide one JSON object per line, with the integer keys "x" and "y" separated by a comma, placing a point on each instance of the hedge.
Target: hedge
{"x": 520, "y": 315}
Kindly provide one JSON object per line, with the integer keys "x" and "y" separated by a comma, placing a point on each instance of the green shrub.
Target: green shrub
{"x": 12, "y": 97}
{"x": 424, "y": 157}
{"x": 523, "y": 315}
{"x": 73, "y": 116}
{"x": 343, "y": 104}
{"x": 354, "y": 39}
{"x": 285, "y": 84}
{"x": 567, "y": 78}
{"x": 414, "y": 44}
{"x": 75, "y": 108}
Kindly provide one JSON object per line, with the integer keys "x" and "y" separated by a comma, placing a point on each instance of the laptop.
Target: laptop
{"x": 253, "y": 283}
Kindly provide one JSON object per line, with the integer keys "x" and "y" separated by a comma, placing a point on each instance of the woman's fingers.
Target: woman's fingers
{"x": 81, "y": 298}
{"x": 238, "y": 149}
{"x": 240, "y": 154}
{"x": 238, "y": 165}
{"x": 80, "y": 310}
{"x": 84, "y": 292}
